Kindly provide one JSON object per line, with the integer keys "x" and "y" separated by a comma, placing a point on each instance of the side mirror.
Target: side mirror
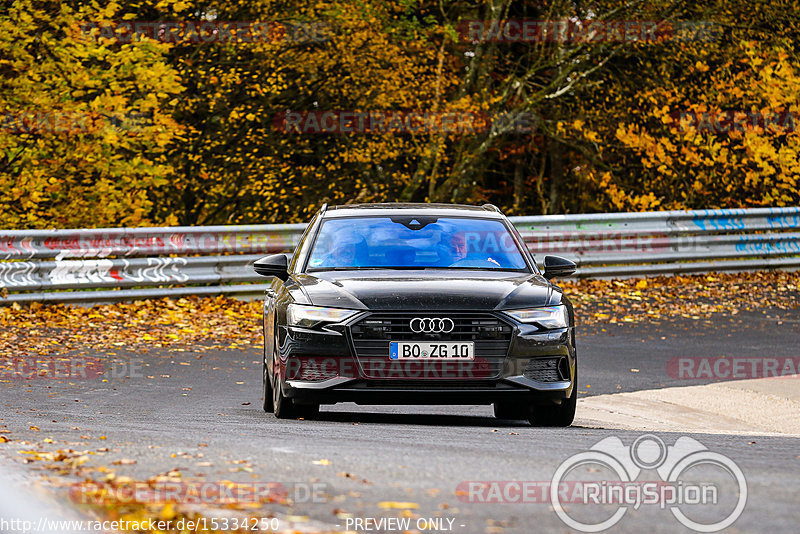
{"x": 274, "y": 265}
{"x": 556, "y": 266}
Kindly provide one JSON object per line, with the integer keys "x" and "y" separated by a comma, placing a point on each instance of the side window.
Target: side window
{"x": 301, "y": 250}
{"x": 523, "y": 246}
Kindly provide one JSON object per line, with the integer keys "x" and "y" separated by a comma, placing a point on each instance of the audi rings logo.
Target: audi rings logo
{"x": 432, "y": 325}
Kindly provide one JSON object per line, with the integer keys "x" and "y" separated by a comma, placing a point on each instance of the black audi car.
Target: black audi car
{"x": 417, "y": 304}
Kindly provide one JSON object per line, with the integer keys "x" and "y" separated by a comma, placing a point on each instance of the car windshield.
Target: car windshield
{"x": 415, "y": 242}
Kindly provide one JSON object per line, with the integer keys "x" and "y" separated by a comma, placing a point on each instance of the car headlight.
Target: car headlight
{"x": 546, "y": 316}
{"x": 302, "y": 315}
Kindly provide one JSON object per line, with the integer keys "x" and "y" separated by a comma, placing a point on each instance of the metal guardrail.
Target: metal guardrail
{"x": 668, "y": 242}
{"x": 80, "y": 265}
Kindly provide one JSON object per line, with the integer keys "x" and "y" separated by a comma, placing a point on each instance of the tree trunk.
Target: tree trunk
{"x": 556, "y": 175}
{"x": 519, "y": 176}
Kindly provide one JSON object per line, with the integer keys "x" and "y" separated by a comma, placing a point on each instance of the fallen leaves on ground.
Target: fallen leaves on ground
{"x": 203, "y": 323}
{"x": 64, "y": 461}
{"x": 634, "y": 300}
{"x": 395, "y": 505}
{"x": 168, "y": 498}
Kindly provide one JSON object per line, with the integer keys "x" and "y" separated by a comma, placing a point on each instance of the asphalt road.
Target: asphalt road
{"x": 200, "y": 413}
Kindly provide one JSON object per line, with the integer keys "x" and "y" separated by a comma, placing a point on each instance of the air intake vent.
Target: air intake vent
{"x": 312, "y": 369}
{"x": 547, "y": 370}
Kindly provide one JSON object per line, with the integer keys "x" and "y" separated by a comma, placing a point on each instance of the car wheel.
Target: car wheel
{"x": 266, "y": 385}
{"x": 507, "y": 410}
{"x": 267, "y": 391}
{"x": 283, "y": 407}
{"x": 560, "y": 415}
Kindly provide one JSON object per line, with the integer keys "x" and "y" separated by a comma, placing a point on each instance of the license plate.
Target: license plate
{"x": 399, "y": 350}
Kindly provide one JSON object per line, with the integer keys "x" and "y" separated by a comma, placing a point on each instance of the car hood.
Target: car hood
{"x": 434, "y": 290}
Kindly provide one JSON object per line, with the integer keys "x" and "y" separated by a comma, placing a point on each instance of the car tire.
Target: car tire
{"x": 557, "y": 415}
{"x": 510, "y": 411}
{"x": 267, "y": 391}
{"x": 266, "y": 385}
{"x": 283, "y": 407}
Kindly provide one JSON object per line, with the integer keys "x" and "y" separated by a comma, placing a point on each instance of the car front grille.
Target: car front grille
{"x": 547, "y": 370}
{"x": 491, "y": 337}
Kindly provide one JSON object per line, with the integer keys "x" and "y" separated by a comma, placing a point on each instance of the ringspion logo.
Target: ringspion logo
{"x": 699, "y": 484}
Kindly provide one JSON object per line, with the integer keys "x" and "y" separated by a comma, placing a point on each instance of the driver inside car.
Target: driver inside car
{"x": 349, "y": 250}
{"x": 451, "y": 249}
{"x": 459, "y": 244}
{"x": 460, "y": 256}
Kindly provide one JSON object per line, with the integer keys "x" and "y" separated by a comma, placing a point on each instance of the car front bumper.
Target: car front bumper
{"x": 321, "y": 366}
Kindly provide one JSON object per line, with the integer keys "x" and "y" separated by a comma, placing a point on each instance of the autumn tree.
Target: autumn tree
{"x": 704, "y": 119}
{"x": 100, "y": 129}
{"x": 84, "y": 120}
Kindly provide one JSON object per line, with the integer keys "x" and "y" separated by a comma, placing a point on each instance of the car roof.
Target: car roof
{"x": 487, "y": 211}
